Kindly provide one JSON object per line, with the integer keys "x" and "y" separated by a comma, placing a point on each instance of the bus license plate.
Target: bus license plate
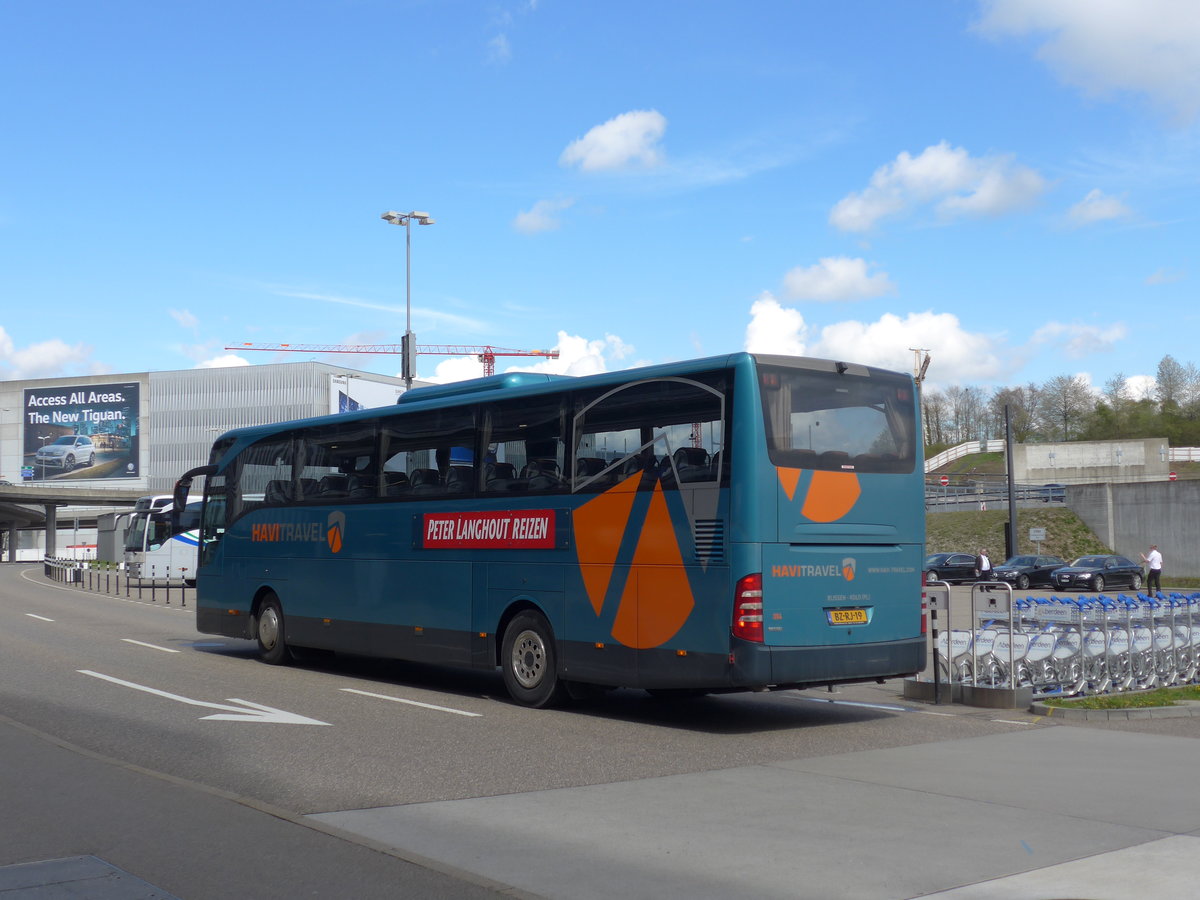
{"x": 847, "y": 616}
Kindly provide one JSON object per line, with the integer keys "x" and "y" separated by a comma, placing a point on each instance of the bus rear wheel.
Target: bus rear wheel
{"x": 529, "y": 662}
{"x": 272, "y": 646}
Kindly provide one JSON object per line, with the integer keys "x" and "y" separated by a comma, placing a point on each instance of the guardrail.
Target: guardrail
{"x": 114, "y": 581}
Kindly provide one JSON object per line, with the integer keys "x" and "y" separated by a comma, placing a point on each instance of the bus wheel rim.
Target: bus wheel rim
{"x": 268, "y": 627}
{"x": 529, "y": 659}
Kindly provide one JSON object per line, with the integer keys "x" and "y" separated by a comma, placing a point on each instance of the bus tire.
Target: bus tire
{"x": 529, "y": 662}
{"x": 269, "y": 628}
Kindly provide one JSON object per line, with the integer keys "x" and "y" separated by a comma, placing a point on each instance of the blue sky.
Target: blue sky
{"x": 1012, "y": 185}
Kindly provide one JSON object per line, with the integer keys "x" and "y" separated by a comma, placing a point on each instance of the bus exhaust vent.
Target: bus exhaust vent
{"x": 709, "y": 535}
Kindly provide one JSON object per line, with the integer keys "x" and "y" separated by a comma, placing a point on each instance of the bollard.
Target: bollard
{"x": 153, "y": 586}
{"x": 183, "y": 587}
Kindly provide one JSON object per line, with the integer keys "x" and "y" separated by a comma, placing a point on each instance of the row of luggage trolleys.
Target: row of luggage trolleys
{"x": 1078, "y": 646}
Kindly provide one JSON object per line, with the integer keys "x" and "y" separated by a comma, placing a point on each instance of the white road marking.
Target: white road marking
{"x": 255, "y": 713}
{"x": 151, "y": 646}
{"x": 447, "y": 709}
{"x": 855, "y": 703}
{"x": 40, "y": 618}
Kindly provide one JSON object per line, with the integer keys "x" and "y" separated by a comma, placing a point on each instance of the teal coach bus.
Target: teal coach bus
{"x": 744, "y": 522}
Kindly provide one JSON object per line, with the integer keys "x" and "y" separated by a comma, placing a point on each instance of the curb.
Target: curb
{"x": 1185, "y": 709}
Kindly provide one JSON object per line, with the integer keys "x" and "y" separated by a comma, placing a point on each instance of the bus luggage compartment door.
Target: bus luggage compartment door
{"x": 840, "y": 594}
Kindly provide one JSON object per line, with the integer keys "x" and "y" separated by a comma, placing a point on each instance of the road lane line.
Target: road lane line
{"x": 856, "y": 703}
{"x": 151, "y": 646}
{"x": 447, "y": 709}
{"x": 42, "y": 618}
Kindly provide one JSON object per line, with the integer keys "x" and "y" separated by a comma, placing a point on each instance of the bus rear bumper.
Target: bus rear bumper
{"x": 761, "y": 665}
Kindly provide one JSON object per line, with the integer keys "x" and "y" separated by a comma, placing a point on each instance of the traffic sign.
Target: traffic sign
{"x": 945, "y": 479}
{"x": 1171, "y": 476}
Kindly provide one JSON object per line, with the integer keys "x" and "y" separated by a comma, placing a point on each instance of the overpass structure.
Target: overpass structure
{"x": 36, "y": 504}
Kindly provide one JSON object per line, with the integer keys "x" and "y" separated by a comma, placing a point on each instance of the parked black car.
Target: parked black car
{"x": 1027, "y": 571}
{"x": 950, "y": 567}
{"x": 1095, "y": 573}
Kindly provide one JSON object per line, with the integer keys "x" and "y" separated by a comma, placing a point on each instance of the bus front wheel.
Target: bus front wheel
{"x": 272, "y": 646}
{"x": 529, "y": 662}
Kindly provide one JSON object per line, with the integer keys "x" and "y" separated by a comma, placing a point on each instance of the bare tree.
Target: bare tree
{"x": 1066, "y": 399}
{"x": 1023, "y": 406}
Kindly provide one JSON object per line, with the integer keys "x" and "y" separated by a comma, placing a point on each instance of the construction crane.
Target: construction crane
{"x": 485, "y": 354}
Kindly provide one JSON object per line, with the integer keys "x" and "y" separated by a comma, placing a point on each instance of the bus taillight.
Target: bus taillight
{"x": 748, "y": 608}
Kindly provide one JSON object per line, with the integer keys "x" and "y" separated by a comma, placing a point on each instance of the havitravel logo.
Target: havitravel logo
{"x": 849, "y": 566}
{"x": 335, "y": 528}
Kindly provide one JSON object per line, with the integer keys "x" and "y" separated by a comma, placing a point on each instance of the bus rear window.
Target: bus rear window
{"x": 838, "y": 422}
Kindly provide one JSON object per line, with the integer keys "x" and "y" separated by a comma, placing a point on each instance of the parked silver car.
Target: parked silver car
{"x": 67, "y": 452}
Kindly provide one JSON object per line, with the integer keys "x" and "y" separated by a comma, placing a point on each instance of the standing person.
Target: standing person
{"x": 983, "y": 567}
{"x": 1153, "y": 561}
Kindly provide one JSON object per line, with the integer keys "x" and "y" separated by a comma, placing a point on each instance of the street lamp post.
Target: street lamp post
{"x": 408, "y": 349}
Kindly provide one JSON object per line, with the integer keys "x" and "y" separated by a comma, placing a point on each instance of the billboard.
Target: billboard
{"x": 349, "y": 393}
{"x": 80, "y": 432}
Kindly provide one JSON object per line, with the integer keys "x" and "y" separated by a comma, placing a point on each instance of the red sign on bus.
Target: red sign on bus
{"x": 521, "y": 529}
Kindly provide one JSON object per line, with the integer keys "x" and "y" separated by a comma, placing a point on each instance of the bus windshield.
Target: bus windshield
{"x": 838, "y": 422}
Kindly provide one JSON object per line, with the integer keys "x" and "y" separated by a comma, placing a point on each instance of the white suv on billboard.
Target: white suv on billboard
{"x": 67, "y": 452}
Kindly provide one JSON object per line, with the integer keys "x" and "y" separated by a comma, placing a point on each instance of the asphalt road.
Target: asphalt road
{"x": 223, "y": 771}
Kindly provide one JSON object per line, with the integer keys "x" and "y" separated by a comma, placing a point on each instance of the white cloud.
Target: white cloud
{"x": 948, "y": 177}
{"x": 1165, "y": 276}
{"x": 775, "y": 329}
{"x": 1141, "y": 387}
{"x": 499, "y": 50}
{"x": 543, "y": 216}
{"x": 1078, "y": 340}
{"x": 576, "y": 356}
{"x": 958, "y": 355}
{"x": 184, "y": 318}
{"x": 227, "y": 361}
{"x": 1096, "y": 207}
{"x": 439, "y": 317}
{"x": 44, "y": 359}
{"x": 1150, "y": 47}
{"x": 837, "y": 278}
{"x": 627, "y": 139}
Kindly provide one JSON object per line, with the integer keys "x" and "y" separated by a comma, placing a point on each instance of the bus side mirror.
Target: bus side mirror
{"x": 182, "y": 487}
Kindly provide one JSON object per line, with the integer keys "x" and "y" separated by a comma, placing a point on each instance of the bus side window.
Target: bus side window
{"x": 426, "y": 455}
{"x": 526, "y": 446}
{"x": 670, "y": 428}
{"x": 331, "y": 455}
{"x": 264, "y": 475}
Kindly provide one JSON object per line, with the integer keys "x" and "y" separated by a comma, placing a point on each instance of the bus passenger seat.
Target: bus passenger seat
{"x": 542, "y": 475}
{"x": 332, "y": 486}
{"x": 361, "y": 485}
{"x": 460, "y": 480}
{"x": 425, "y": 481}
{"x": 499, "y": 476}
{"x": 396, "y": 483}
{"x": 692, "y": 463}
{"x": 308, "y": 487}
{"x": 278, "y": 491}
{"x": 588, "y": 467}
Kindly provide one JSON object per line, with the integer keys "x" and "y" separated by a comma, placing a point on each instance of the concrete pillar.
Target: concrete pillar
{"x": 51, "y": 530}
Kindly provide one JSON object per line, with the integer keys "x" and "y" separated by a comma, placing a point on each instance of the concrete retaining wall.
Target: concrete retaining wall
{"x": 1131, "y": 517}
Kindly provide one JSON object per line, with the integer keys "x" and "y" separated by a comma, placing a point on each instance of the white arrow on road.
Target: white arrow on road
{"x": 255, "y": 713}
